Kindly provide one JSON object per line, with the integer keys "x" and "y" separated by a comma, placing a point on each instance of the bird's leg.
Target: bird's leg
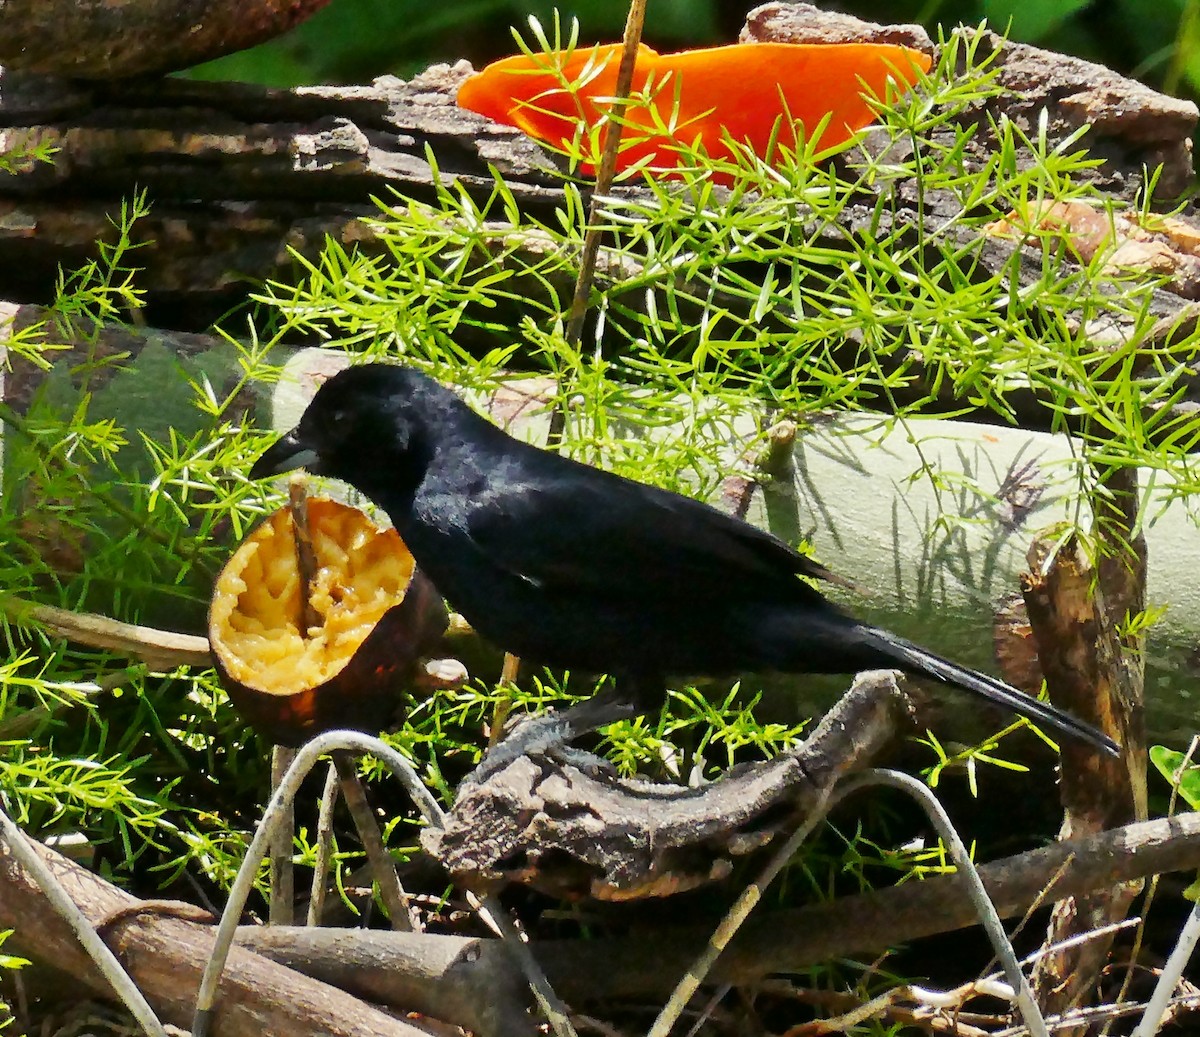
{"x": 544, "y": 733}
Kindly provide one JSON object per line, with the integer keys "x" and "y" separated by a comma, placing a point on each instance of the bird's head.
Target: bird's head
{"x": 365, "y": 424}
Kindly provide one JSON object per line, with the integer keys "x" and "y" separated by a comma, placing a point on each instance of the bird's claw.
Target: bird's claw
{"x": 534, "y": 736}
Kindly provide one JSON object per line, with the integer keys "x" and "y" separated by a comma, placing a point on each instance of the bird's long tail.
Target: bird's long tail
{"x": 916, "y": 660}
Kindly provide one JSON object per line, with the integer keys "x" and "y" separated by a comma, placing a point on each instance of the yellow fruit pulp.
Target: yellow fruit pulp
{"x": 254, "y": 622}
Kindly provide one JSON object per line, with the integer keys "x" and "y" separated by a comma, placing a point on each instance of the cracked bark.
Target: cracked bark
{"x": 571, "y": 834}
{"x": 1077, "y": 611}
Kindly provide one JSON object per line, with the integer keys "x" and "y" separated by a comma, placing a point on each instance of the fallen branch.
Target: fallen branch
{"x": 166, "y": 955}
{"x": 648, "y": 964}
{"x": 157, "y": 648}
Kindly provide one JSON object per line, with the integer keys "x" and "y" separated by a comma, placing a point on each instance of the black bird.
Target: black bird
{"x": 579, "y": 568}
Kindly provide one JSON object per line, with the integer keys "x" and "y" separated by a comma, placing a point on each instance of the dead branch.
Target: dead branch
{"x": 155, "y": 647}
{"x": 552, "y": 826}
{"x": 166, "y": 955}
{"x": 648, "y": 964}
{"x": 472, "y": 982}
{"x": 1076, "y": 613}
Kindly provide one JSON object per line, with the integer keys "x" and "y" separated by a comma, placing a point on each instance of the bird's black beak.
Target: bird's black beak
{"x": 288, "y": 452}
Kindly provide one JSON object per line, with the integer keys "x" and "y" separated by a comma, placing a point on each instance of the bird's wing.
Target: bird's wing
{"x": 592, "y": 530}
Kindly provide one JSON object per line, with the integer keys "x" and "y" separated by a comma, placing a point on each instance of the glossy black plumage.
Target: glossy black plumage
{"x": 576, "y": 567}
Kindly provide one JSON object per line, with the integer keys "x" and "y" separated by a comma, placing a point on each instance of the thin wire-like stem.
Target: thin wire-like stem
{"x": 1158, "y": 1001}
{"x": 978, "y": 895}
{"x": 730, "y": 924}
{"x": 106, "y": 962}
{"x": 1168, "y": 979}
{"x": 284, "y": 795}
{"x": 829, "y": 797}
{"x": 243, "y": 883}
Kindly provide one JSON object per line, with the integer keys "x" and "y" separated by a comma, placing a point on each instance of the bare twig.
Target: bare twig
{"x": 737, "y": 914}
{"x": 159, "y": 648}
{"x": 282, "y": 906}
{"x": 604, "y": 178}
{"x": 794, "y": 939}
{"x": 383, "y": 868}
{"x": 607, "y": 168}
{"x": 306, "y": 556}
{"x": 508, "y": 677}
{"x": 316, "y": 897}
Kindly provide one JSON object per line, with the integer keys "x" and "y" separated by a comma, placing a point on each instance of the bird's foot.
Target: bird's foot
{"x": 534, "y": 735}
{"x": 591, "y": 764}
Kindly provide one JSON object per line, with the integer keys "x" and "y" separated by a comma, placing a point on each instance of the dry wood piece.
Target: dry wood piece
{"x": 165, "y": 957}
{"x": 94, "y": 39}
{"x": 1144, "y": 125}
{"x": 236, "y": 174}
{"x": 402, "y": 968}
{"x": 1075, "y": 613}
{"x": 157, "y": 648}
{"x": 571, "y": 834}
{"x": 473, "y": 983}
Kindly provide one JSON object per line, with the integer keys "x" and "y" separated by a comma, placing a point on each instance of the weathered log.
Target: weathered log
{"x": 238, "y": 174}
{"x": 471, "y": 982}
{"x": 647, "y": 964}
{"x": 166, "y": 956}
{"x": 95, "y": 39}
{"x": 551, "y": 826}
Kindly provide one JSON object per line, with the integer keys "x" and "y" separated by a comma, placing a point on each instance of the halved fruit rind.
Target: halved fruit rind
{"x": 378, "y": 615}
{"x": 362, "y": 571}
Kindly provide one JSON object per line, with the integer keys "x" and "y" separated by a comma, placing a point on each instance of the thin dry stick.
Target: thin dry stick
{"x": 316, "y": 896}
{"x": 159, "y": 648}
{"x": 1172, "y": 972}
{"x": 496, "y": 918}
{"x": 383, "y": 868}
{"x": 587, "y": 270}
{"x": 608, "y": 168}
{"x": 730, "y": 924}
{"x": 604, "y": 178}
{"x": 508, "y": 677}
{"x": 282, "y": 906}
{"x": 306, "y": 557}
